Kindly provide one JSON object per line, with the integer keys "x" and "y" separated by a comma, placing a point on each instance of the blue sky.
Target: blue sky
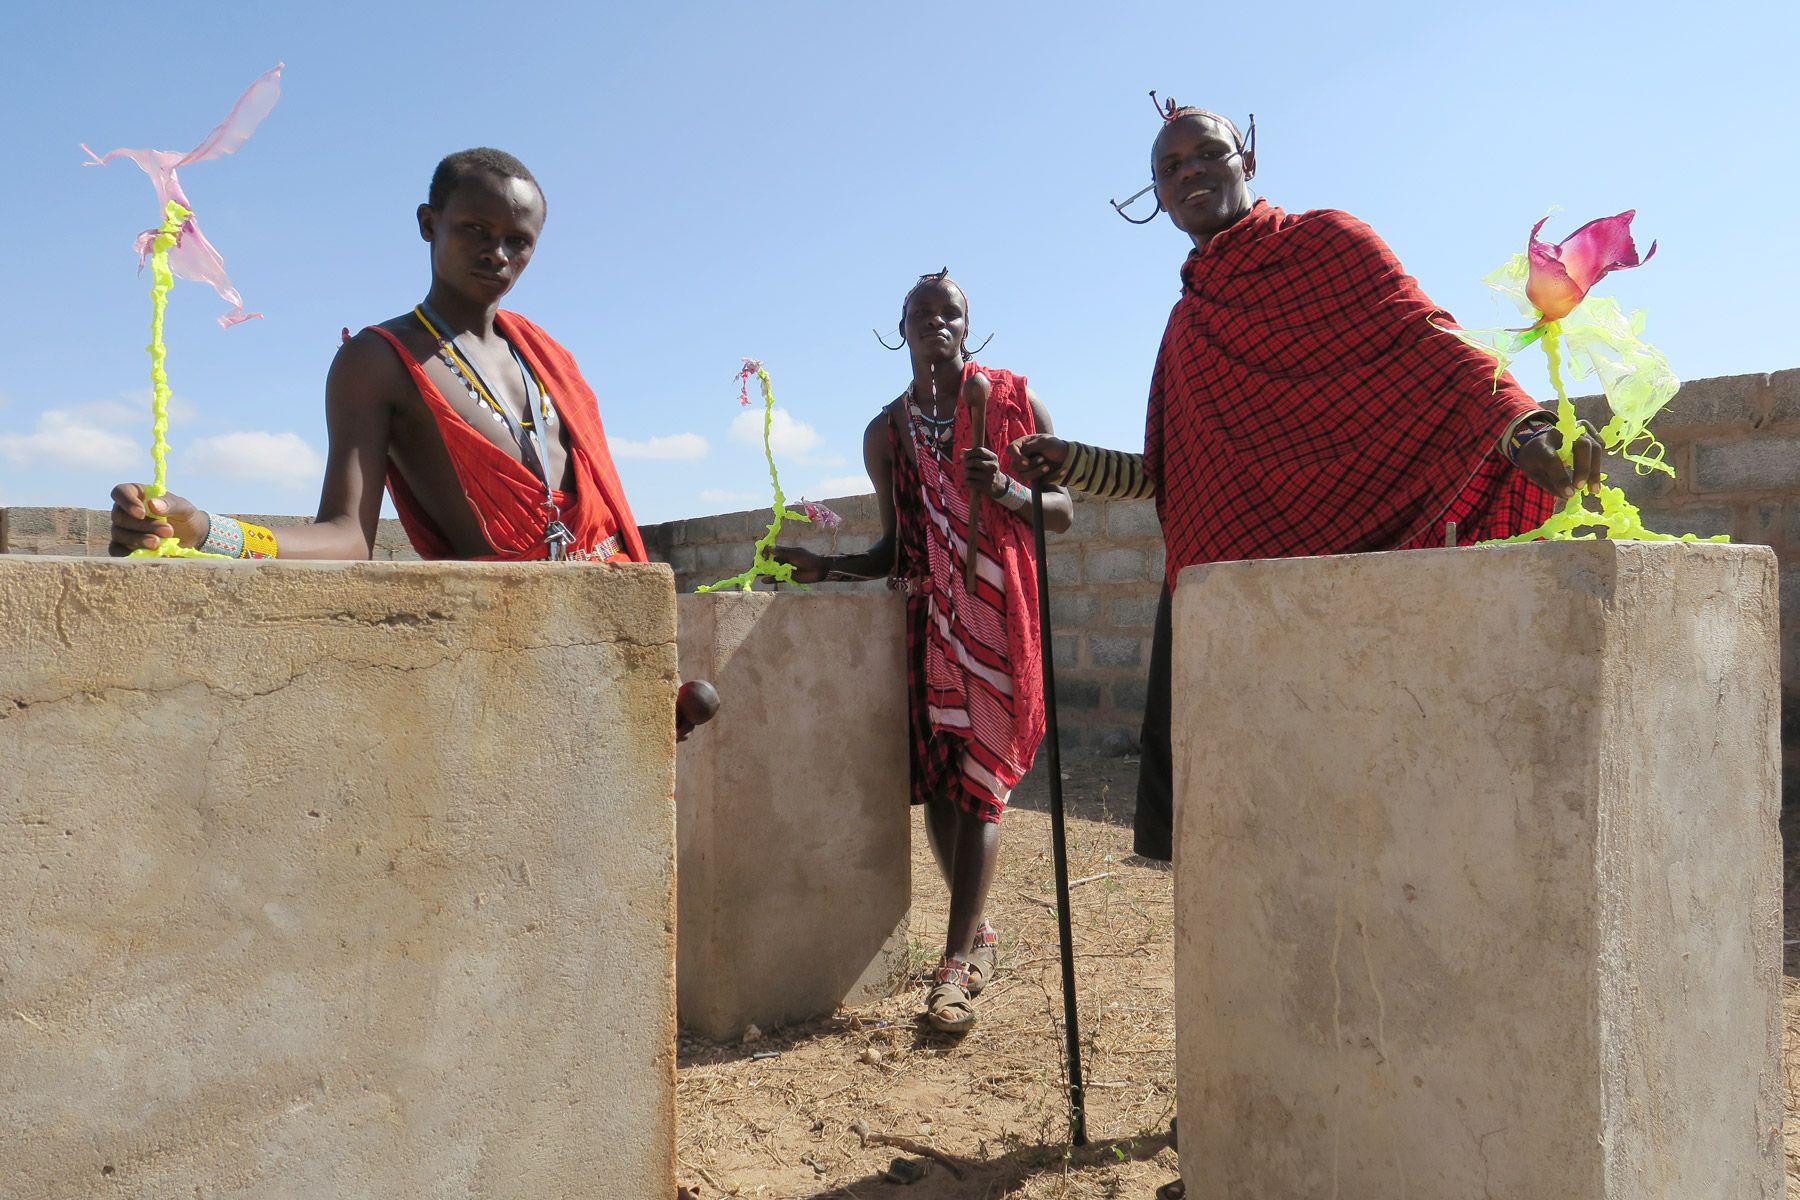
{"x": 767, "y": 180}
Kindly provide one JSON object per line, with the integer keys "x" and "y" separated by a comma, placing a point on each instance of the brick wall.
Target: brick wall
{"x": 1734, "y": 443}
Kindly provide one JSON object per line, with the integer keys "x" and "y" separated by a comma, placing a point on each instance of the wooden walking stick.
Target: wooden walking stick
{"x": 1058, "y": 843}
{"x": 975, "y": 395}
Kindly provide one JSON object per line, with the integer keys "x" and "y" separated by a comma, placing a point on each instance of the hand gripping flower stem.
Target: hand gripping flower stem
{"x": 1588, "y": 336}
{"x": 761, "y": 565}
{"x": 162, "y": 279}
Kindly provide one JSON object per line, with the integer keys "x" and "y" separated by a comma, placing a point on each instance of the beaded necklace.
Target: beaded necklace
{"x": 477, "y": 387}
{"x": 527, "y": 432}
{"x": 936, "y": 432}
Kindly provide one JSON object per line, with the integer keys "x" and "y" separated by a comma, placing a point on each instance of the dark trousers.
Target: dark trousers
{"x": 1153, "y": 825}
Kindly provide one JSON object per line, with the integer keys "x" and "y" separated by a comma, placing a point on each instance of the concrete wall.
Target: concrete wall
{"x": 795, "y": 868}
{"x": 1463, "y": 910}
{"x": 336, "y": 880}
{"x": 84, "y": 532}
{"x": 1105, "y": 576}
{"x": 1735, "y": 441}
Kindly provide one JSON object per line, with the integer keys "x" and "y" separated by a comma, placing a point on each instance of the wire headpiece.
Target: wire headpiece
{"x": 1169, "y": 111}
{"x": 942, "y": 276}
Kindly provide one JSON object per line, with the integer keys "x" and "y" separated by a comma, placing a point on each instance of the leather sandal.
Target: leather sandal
{"x": 984, "y": 958}
{"x": 948, "y": 1005}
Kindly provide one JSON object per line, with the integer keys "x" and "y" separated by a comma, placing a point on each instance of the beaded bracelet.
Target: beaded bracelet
{"x": 259, "y": 542}
{"x": 233, "y": 538}
{"x": 1522, "y": 438}
{"x": 224, "y": 536}
{"x": 1016, "y": 498}
{"x": 1538, "y": 420}
{"x": 1075, "y": 467}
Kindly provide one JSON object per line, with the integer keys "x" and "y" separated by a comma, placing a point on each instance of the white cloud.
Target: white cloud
{"x": 843, "y": 485}
{"x": 789, "y": 436}
{"x": 77, "y": 438}
{"x": 285, "y": 459}
{"x": 667, "y": 446}
{"x": 739, "y": 499}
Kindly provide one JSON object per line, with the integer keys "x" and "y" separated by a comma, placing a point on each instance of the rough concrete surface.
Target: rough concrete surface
{"x": 336, "y": 881}
{"x": 795, "y": 868}
{"x": 1478, "y": 875}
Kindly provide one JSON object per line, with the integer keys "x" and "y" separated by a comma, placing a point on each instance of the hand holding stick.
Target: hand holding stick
{"x": 975, "y": 394}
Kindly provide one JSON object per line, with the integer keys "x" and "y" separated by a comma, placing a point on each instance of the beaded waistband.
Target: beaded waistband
{"x": 605, "y": 550}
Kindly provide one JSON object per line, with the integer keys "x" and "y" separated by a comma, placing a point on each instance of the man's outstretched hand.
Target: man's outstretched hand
{"x": 140, "y": 524}
{"x": 808, "y": 567}
{"x": 1038, "y": 457}
{"x": 695, "y": 704}
{"x": 1543, "y": 467}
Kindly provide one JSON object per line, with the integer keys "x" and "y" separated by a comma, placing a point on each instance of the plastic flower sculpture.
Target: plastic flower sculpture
{"x": 818, "y": 514}
{"x": 177, "y": 247}
{"x": 1562, "y": 273}
{"x": 193, "y": 257}
{"x": 762, "y": 566}
{"x": 1590, "y": 336}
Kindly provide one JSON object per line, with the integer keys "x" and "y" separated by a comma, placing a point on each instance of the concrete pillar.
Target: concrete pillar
{"x": 1478, "y": 875}
{"x": 336, "y": 880}
{"x": 795, "y": 873}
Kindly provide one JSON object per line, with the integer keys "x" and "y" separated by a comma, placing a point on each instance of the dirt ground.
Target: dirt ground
{"x": 841, "y": 1099}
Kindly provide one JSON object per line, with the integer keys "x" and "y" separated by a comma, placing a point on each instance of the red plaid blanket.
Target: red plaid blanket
{"x": 1304, "y": 403}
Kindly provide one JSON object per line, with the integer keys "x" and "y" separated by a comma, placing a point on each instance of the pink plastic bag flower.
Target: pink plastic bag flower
{"x": 751, "y": 368}
{"x": 1563, "y": 272}
{"x": 819, "y": 515}
{"x": 193, "y": 257}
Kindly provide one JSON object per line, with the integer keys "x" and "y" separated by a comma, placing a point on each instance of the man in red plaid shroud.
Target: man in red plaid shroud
{"x": 1305, "y": 401}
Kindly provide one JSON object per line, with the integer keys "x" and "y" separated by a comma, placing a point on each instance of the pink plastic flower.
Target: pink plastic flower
{"x": 745, "y": 374}
{"x": 818, "y": 514}
{"x": 1563, "y": 272}
{"x": 193, "y": 257}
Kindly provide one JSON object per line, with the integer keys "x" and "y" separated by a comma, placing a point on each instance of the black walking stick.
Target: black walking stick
{"x": 1059, "y": 845}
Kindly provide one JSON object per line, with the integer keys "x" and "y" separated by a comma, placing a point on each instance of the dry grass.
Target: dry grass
{"x": 810, "y": 1124}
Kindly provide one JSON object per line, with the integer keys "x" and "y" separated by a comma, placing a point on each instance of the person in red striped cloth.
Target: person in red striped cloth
{"x": 974, "y": 672}
{"x": 1306, "y": 400}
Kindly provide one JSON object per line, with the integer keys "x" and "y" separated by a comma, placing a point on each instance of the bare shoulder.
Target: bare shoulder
{"x": 876, "y": 443}
{"x": 366, "y": 368}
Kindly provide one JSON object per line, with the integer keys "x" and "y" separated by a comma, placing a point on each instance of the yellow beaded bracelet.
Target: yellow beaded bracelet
{"x": 259, "y": 542}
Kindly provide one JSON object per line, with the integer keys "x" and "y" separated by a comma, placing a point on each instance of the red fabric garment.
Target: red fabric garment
{"x": 507, "y": 498}
{"x": 1303, "y": 403}
{"x": 975, "y": 669}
